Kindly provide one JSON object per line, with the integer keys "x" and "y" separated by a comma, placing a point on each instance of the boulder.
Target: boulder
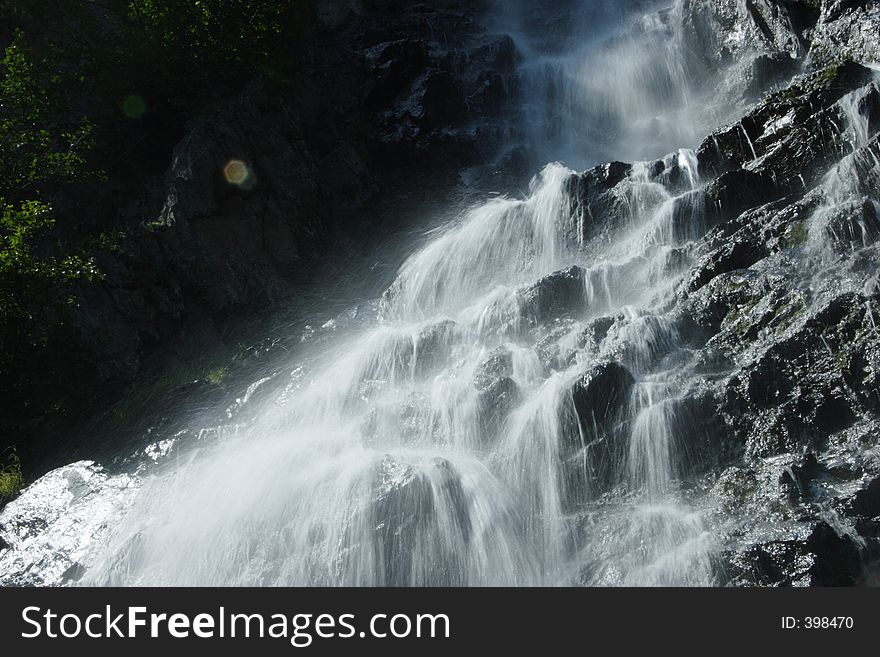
{"x": 592, "y": 446}
{"x": 562, "y": 293}
{"x": 406, "y": 510}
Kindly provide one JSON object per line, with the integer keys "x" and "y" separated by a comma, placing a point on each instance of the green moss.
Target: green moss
{"x": 831, "y": 72}
{"x": 847, "y": 337}
{"x": 786, "y": 315}
{"x": 797, "y": 235}
{"x": 741, "y": 323}
{"x": 112, "y": 241}
{"x": 156, "y": 225}
{"x": 216, "y": 376}
{"x": 196, "y": 357}
{"x": 11, "y": 480}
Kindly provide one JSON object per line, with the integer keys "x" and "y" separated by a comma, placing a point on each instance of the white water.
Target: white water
{"x": 621, "y": 82}
{"x": 382, "y": 469}
{"x": 385, "y": 467}
{"x": 850, "y": 185}
{"x": 384, "y": 464}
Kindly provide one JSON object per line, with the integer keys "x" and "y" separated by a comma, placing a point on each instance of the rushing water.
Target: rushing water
{"x": 384, "y": 467}
{"x": 620, "y": 81}
{"x": 399, "y": 460}
{"x": 435, "y": 442}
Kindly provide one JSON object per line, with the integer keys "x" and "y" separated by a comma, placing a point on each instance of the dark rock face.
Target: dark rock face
{"x": 593, "y": 443}
{"x": 555, "y": 295}
{"x": 498, "y": 393}
{"x": 776, "y": 405}
{"x": 782, "y": 398}
{"x": 387, "y": 85}
{"x": 405, "y": 518}
{"x": 206, "y": 243}
{"x": 435, "y": 81}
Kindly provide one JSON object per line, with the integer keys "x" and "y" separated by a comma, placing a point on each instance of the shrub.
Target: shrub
{"x": 11, "y": 480}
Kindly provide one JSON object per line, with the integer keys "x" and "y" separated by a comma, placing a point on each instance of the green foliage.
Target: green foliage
{"x": 11, "y": 480}
{"x": 30, "y": 281}
{"x": 44, "y": 144}
{"x": 40, "y": 143}
{"x": 213, "y": 31}
{"x": 42, "y": 147}
{"x": 93, "y": 97}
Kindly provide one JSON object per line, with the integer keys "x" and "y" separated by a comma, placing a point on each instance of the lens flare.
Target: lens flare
{"x": 238, "y": 173}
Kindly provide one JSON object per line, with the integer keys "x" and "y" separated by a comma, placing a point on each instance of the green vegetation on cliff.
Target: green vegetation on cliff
{"x": 10, "y": 476}
{"x": 93, "y": 97}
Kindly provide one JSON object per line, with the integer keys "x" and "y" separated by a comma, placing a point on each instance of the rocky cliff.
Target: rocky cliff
{"x": 768, "y": 233}
{"x": 784, "y": 351}
{"x": 396, "y": 102}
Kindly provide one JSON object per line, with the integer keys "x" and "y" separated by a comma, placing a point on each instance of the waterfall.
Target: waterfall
{"x": 628, "y": 93}
{"x": 850, "y": 187}
{"x": 434, "y": 446}
{"x": 508, "y": 412}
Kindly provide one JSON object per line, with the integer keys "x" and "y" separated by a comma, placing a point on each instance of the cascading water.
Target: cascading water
{"x": 598, "y": 93}
{"x": 407, "y": 459}
{"x": 850, "y": 188}
{"x": 435, "y": 446}
{"x": 509, "y": 412}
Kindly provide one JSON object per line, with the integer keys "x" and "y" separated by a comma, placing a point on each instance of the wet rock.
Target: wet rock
{"x": 551, "y": 352}
{"x": 734, "y": 192}
{"x": 405, "y": 514}
{"x": 703, "y": 441}
{"x": 599, "y": 396}
{"x": 776, "y": 563}
{"x": 592, "y": 336}
{"x": 837, "y": 558}
{"x": 596, "y": 203}
{"x": 496, "y": 401}
{"x": 724, "y": 297}
{"x": 590, "y": 449}
{"x": 402, "y": 511}
{"x": 853, "y": 225}
{"x": 727, "y": 149}
{"x": 498, "y": 393}
{"x": 433, "y": 345}
{"x": 740, "y": 251}
{"x": 60, "y": 520}
{"x": 498, "y": 365}
{"x": 796, "y": 394}
{"x": 787, "y": 135}
{"x": 559, "y": 294}
{"x": 848, "y": 28}
{"x": 768, "y": 70}
{"x": 866, "y": 502}
{"x": 796, "y": 479}
{"x": 725, "y": 30}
